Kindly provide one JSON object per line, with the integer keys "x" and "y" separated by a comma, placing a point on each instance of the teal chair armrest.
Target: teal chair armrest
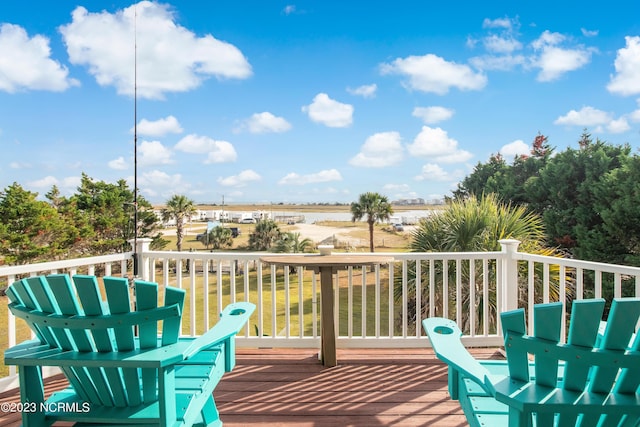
{"x": 444, "y": 335}
{"x": 232, "y": 319}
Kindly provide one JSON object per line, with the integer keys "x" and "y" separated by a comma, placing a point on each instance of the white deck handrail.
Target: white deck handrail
{"x": 378, "y": 306}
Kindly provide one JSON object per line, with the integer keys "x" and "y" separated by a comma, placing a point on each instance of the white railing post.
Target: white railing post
{"x": 509, "y": 274}
{"x": 143, "y": 244}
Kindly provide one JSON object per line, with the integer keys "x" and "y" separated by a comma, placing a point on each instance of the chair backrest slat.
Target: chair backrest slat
{"x": 60, "y": 285}
{"x": 546, "y": 325}
{"x": 89, "y": 295}
{"x": 119, "y": 302}
{"x": 583, "y": 332}
{"x": 171, "y": 327}
{"x": 629, "y": 378}
{"x": 46, "y": 300}
{"x": 621, "y": 325}
{"x": 147, "y": 299}
{"x": 517, "y": 359}
{"x": 90, "y": 298}
{"x": 20, "y": 291}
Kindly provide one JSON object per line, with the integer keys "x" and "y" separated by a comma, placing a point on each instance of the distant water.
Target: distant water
{"x": 311, "y": 217}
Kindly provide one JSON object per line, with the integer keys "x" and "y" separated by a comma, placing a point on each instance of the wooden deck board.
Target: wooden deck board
{"x": 289, "y": 387}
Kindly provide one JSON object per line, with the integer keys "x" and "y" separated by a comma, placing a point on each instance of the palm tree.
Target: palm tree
{"x": 180, "y": 208}
{"x": 375, "y": 207}
{"x": 290, "y": 242}
{"x": 217, "y": 237}
{"x": 476, "y": 225}
{"x": 264, "y": 235}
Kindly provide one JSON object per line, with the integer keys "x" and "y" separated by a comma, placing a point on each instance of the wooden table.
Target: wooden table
{"x": 326, "y": 265}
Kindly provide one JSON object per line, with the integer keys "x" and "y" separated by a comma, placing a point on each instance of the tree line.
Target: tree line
{"x": 588, "y": 197}
{"x": 98, "y": 219}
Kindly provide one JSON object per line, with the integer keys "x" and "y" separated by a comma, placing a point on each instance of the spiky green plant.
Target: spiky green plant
{"x": 475, "y": 225}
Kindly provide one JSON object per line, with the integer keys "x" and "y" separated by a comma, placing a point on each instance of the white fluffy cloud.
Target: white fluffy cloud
{"x": 554, "y": 60}
{"x": 240, "y": 180}
{"x": 46, "y": 182}
{"x": 314, "y": 178}
{"x": 436, "y": 144}
{"x": 432, "y": 172}
{"x": 379, "y": 150}
{"x": 170, "y": 58}
{"x": 504, "y": 23}
{"x": 587, "y": 116}
{"x": 618, "y": 125}
{"x": 431, "y": 73}
{"x": 215, "y": 151}
{"x": 118, "y": 164}
{"x": 365, "y": 91}
{"x": 598, "y": 119}
{"x": 66, "y": 185}
{"x": 160, "y": 127}
{"x": 264, "y": 122}
{"x": 501, "y": 44}
{"x": 515, "y": 148}
{"x": 626, "y": 81}
{"x": 329, "y": 112}
{"x": 154, "y": 153}
{"x": 26, "y": 63}
{"x": 156, "y": 183}
{"x": 431, "y": 115}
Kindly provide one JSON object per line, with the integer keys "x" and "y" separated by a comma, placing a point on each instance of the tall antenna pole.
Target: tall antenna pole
{"x": 135, "y": 141}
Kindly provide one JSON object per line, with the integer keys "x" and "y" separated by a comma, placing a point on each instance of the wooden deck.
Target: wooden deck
{"x": 286, "y": 387}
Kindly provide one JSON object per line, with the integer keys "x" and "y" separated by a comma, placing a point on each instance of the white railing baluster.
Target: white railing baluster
{"x": 545, "y": 283}
{"x": 219, "y": 292}
{"x": 405, "y": 301}
{"x": 445, "y": 288}
{"x": 378, "y": 301}
{"x": 391, "y": 301}
{"x": 205, "y": 289}
{"x": 363, "y": 304}
{"x": 232, "y": 278}
{"x": 432, "y": 288}
{"x": 472, "y": 297}
{"x": 485, "y": 297}
{"x": 386, "y": 320}
{"x": 350, "y": 302}
{"x": 300, "y": 302}
{"x": 458, "y": 291}
{"x": 580, "y": 283}
{"x": 287, "y": 303}
{"x": 274, "y": 318}
{"x": 192, "y": 297}
{"x": 531, "y": 294}
{"x": 418, "y": 280}
{"x": 259, "y": 302}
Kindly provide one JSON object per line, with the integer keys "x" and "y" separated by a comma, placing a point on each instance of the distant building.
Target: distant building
{"x": 408, "y": 202}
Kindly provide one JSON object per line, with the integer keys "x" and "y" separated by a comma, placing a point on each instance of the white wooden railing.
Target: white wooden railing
{"x": 378, "y": 306}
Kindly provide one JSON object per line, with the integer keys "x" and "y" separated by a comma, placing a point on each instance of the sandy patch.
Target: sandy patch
{"x": 320, "y": 233}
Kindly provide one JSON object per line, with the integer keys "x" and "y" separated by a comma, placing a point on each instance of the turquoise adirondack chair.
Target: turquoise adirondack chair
{"x": 121, "y": 371}
{"x": 591, "y": 380}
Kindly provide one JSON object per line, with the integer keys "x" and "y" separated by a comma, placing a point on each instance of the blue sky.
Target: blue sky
{"x": 310, "y": 101}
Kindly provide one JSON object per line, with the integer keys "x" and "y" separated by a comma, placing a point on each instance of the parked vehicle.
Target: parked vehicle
{"x": 398, "y": 227}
